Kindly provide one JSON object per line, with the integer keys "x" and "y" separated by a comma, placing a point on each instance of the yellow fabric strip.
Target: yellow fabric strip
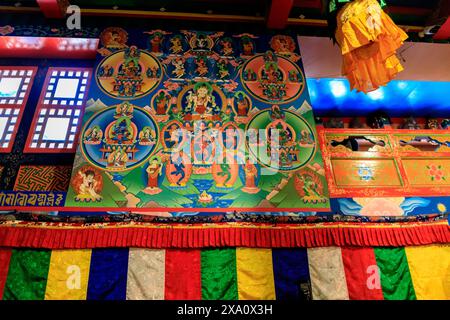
{"x": 146, "y": 274}
{"x": 326, "y": 270}
{"x": 68, "y": 275}
{"x": 255, "y": 274}
{"x": 430, "y": 271}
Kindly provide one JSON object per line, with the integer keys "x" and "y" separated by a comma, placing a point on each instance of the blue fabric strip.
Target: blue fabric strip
{"x": 290, "y": 269}
{"x": 108, "y": 274}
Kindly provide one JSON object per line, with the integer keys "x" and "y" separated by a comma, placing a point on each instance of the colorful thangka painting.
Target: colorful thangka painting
{"x": 198, "y": 120}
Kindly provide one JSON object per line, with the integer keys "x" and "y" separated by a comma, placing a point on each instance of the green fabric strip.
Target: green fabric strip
{"x": 219, "y": 277}
{"x": 27, "y": 275}
{"x": 395, "y": 277}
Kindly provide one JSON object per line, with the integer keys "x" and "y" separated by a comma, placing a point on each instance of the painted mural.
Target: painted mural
{"x": 199, "y": 120}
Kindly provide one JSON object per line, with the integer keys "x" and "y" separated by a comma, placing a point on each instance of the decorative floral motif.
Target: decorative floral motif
{"x": 436, "y": 172}
{"x": 48, "y": 31}
{"x": 365, "y": 173}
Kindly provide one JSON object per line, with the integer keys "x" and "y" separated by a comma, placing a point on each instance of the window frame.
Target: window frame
{"x": 20, "y": 106}
{"x": 47, "y": 106}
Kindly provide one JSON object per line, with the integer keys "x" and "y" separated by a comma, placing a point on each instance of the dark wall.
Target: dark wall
{"x": 13, "y": 160}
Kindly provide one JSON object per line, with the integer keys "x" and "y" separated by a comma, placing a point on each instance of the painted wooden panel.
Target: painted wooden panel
{"x": 422, "y": 142}
{"x": 344, "y": 143}
{"x": 385, "y": 162}
{"x": 365, "y": 173}
{"x": 427, "y": 172}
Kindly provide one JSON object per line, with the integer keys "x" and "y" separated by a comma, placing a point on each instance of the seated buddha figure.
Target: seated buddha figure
{"x": 200, "y": 101}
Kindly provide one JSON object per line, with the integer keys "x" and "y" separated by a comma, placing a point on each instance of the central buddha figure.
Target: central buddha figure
{"x": 201, "y": 102}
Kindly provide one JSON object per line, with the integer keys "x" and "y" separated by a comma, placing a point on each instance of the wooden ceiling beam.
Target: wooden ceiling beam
{"x": 313, "y": 4}
{"x": 409, "y": 11}
{"x": 187, "y": 16}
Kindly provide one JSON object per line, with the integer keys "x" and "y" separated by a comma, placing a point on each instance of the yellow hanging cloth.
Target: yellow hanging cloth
{"x": 368, "y": 39}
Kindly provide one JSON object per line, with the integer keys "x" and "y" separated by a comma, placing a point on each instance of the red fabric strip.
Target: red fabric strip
{"x": 183, "y": 278}
{"x": 260, "y": 236}
{"x": 5, "y": 256}
{"x": 361, "y": 273}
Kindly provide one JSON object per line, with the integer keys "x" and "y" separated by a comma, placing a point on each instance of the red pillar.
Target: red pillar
{"x": 53, "y": 8}
{"x": 279, "y": 13}
{"x": 444, "y": 31}
{"x": 442, "y": 12}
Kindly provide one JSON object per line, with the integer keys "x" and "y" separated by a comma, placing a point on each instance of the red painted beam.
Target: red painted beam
{"x": 53, "y": 8}
{"x": 279, "y": 13}
{"x": 46, "y": 47}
